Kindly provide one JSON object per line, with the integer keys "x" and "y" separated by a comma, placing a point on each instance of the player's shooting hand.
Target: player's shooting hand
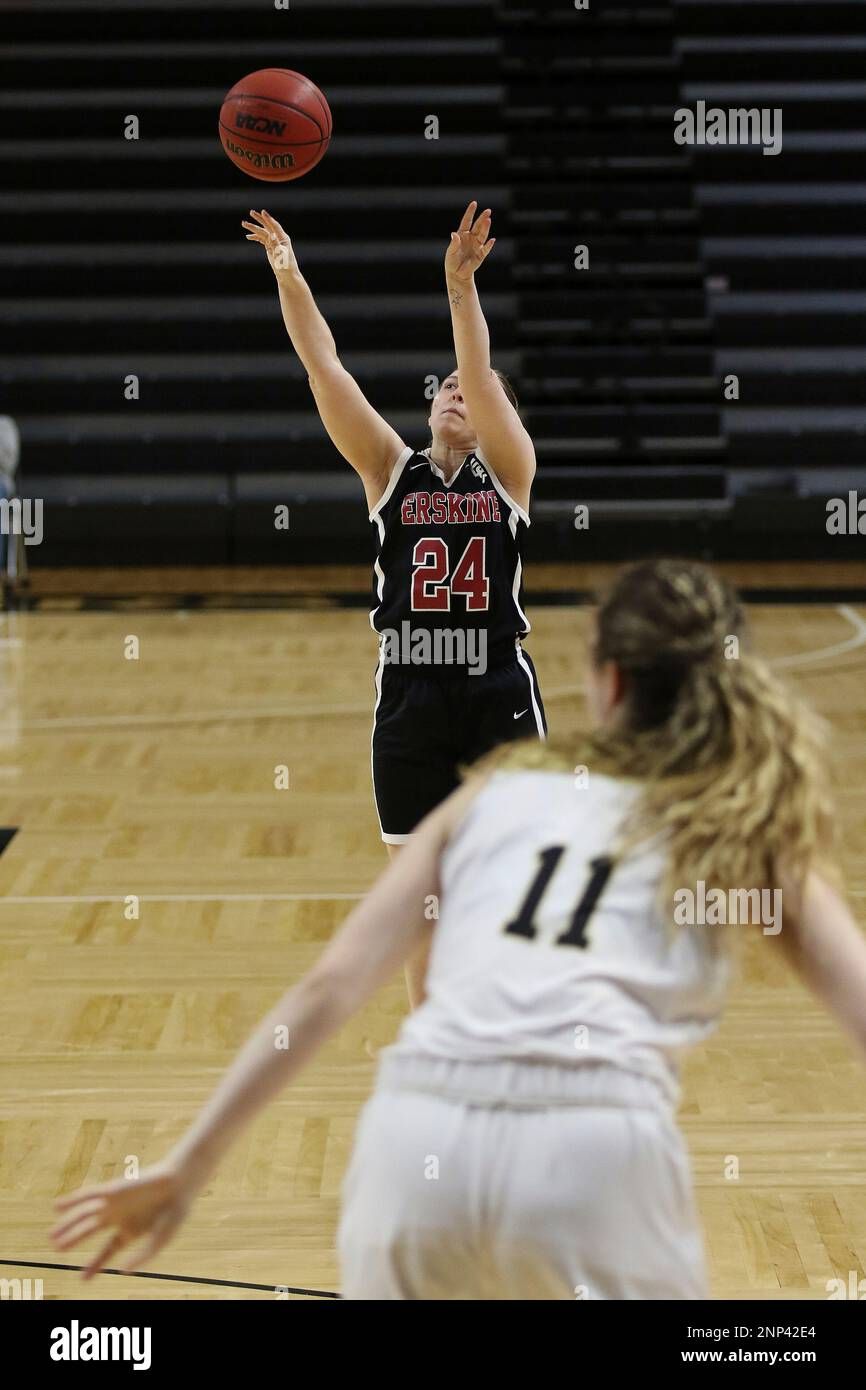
{"x": 267, "y": 231}
{"x": 470, "y": 245}
{"x": 148, "y": 1209}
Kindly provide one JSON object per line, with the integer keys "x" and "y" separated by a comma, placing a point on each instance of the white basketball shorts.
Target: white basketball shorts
{"x": 447, "y": 1198}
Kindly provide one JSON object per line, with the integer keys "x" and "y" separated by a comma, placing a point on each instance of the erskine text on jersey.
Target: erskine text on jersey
{"x": 448, "y": 508}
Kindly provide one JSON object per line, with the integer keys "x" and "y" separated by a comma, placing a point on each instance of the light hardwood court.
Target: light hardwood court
{"x": 155, "y": 777}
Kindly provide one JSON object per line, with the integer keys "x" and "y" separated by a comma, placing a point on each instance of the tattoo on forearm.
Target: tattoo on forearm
{"x": 456, "y": 296}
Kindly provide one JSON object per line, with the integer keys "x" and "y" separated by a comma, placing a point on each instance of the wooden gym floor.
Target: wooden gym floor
{"x": 155, "y": 777}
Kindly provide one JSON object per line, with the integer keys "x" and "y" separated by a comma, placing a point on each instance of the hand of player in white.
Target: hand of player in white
{"x": 267, "y": 231}
{"x": 149, "y": 1208}
{"x": 470, "y": 245}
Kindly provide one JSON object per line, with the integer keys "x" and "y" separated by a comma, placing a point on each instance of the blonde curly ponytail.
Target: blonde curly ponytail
{"x": 732, "y": 766}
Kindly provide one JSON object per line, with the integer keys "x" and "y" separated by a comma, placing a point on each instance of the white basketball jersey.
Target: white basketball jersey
{"x": 546, "y": 951}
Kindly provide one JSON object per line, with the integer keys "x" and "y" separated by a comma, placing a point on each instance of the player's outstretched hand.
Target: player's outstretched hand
{"x": 148, "y": 1209}
{"x": 267, "y": 231}
{"x": 470, "y": 245}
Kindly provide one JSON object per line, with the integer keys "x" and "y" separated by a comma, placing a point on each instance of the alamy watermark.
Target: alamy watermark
{"x": 77, "y": 1343}
{"x": 717, "y": 907}
{"x": 441, "y": 646}
{"x": 23, "y": 1289}
{"x": 846, "y": 516}
{"x": 22, "y": 516}
{"x": 738, "y": 125}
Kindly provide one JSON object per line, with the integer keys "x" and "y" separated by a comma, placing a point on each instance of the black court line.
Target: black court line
{"x": 545, "y": 598}
{"x": 175, "y": 1278}
{"x": 6, "y": 836}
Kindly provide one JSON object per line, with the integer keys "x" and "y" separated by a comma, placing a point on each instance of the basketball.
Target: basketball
{"x": 275, "y": 124}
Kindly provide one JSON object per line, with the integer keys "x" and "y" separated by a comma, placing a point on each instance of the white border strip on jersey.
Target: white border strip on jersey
{"x": 386, "y": 838}
{"x": 515, "y": 590}
{"x": 539, "y": 722}
{"x": 524, "y": 516}
{"x": 512, "y": 526}
{"x": 380, "y": 590}
{"x": 374, "y": 516}
{"x": 396, "y": 472}
{"x": 378, "y": 682}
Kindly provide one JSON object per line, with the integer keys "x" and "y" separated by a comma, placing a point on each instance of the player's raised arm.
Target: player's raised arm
{"x": 377, "y": 937}
{"x": 501, "y": 435}
{"x": 828, "y": 950}
{"x": 365, "y": 440}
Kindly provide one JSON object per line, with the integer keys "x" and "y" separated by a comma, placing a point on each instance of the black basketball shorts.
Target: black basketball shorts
{"x": 428, "y": 723}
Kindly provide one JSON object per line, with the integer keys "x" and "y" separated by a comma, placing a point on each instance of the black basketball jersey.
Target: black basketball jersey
{"x": 449, "y": 557}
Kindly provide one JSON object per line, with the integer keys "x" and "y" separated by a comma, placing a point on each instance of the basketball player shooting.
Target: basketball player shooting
{"x": 453, "y": 679}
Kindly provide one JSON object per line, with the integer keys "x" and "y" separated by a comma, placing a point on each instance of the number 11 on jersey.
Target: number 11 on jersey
{"x": 524, "y": 923}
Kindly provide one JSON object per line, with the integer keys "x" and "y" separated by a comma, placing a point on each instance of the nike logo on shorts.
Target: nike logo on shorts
{"x": 521, "y": 712}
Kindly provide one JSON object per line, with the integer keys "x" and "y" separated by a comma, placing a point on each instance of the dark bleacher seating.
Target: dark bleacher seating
{"x": 786, "y": 235}
{"x": 618, "y": 373}
{"x": 121, "y": 257}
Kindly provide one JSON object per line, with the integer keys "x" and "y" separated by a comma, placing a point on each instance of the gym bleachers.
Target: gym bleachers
{"x": 704, "y": 262}
{"x": 785, "y": 235}
{"x": 124, "y": 259}
{"x": 617, "y": 368}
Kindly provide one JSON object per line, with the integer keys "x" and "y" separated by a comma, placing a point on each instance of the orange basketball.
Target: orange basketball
{"x": 275, "y": 124}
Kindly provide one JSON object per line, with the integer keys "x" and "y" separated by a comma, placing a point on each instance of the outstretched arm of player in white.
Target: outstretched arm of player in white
{"x": 828, "y": 949}
{"x": 377, "y": 938}
{"x": 502, "y": 437}
{"x": 358, "y": 432}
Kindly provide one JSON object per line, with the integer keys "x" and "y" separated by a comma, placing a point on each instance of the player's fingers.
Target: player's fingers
{"x": 97, "y": 1192}
{"x": 480, "y": 253}
{"x": 466, "y": 219}
{"x": 272, "y": 223}
{"x": 481, "y": 230}
{"x": 81, "y": 1212}
{"x": 78, "y": 1232}
{"x": 72, "y": 1199}
{"x": 136, "y": 1258}
{"x": 481, "y": 226}
{"x": 162, "y": 1232}
{"x": 111, "y": 1246}
{"x": 81, "y": 1194}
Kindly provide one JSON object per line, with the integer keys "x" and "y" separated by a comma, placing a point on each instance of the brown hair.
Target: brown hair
{"x": 507, "y": 387}
{"x": 503, "y": 381}
{"x": 733, "y": 766}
